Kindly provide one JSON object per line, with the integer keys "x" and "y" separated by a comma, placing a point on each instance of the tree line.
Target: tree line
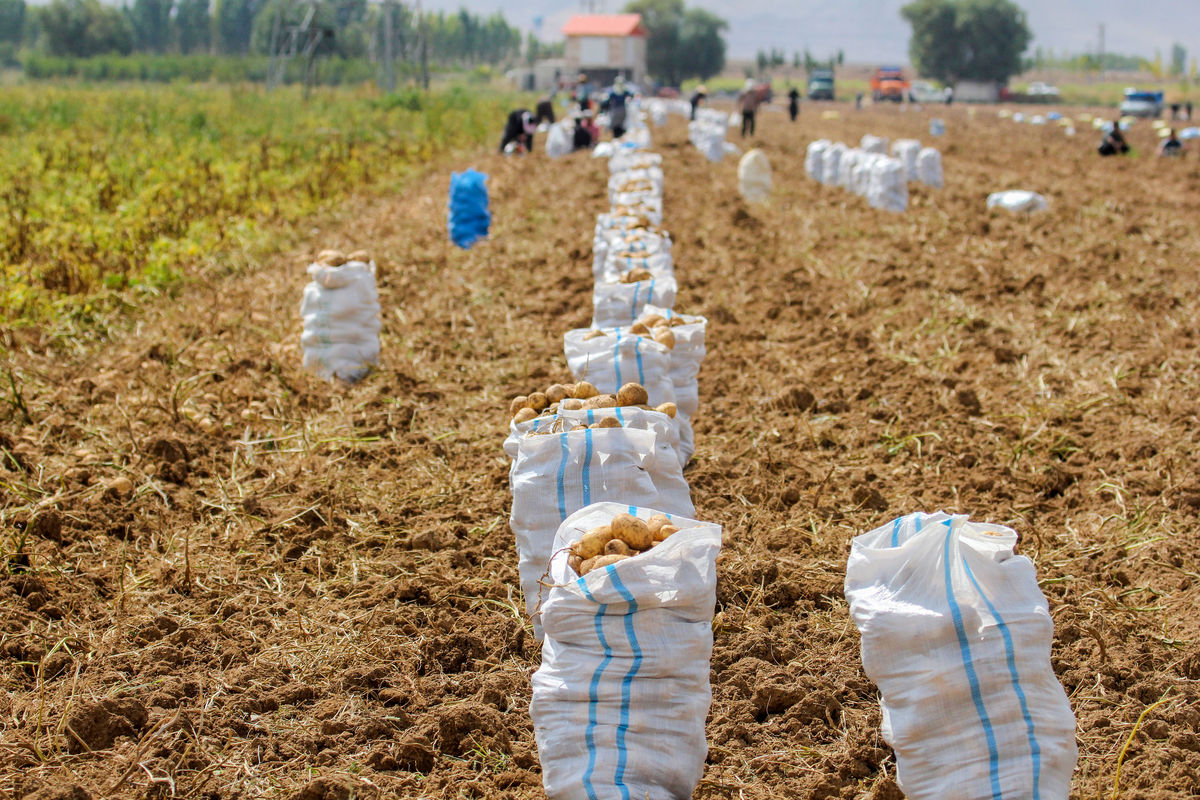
{"x": 352, "y": 29}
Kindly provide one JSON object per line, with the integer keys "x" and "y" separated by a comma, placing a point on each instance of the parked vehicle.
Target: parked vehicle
{"x": 1141, "y": 104}
{"x": 924, "y": 92}
{"x": 889, "y": 83}
{"x": 820, "y": 84}
{"x": 1041, "y": 89}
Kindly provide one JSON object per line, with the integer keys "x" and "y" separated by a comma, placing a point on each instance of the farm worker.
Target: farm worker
{"x": 1171, "y": 146}
{"x": 616, "y": 104}
{"x": 519, "y": 131}
{"x": 1188, "y": 107}
{"x": 545, "y": 110}
{"x": 949, "y": 94}
{"x": 585, "y": 132}
{"x": 793, "y": 103}
{"x": 748, "y": 102}
{"x": 1114, "y": 142}
{"x": 698, "y": 97}
{"x": 582, "y": 94}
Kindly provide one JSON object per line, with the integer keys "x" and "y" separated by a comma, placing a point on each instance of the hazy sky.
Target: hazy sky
{"x": 872, "y": 31}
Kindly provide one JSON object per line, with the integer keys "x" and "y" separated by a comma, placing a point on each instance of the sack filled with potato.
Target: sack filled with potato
{"x": 554, "y": 475}
{"x": 612, "y": 358}
{"x": 617, "y": 304}
{"x": 340, "y": 312}
{"x": 635, "y": 242}
{"x": 621, "y": 697}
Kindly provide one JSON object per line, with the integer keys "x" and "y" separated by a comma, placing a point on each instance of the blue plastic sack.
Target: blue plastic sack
{"x": 469, "y": 217}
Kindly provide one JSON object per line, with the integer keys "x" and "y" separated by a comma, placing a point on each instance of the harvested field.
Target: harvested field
{"x": 227, "y": 579}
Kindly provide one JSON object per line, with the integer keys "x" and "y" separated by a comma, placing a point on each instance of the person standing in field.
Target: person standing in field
{"x": 582, "y": 93}
{"x": 793, "y": 103}
{"x": 748, "y": 102}
{"x": 617, "y": 104}
{"x": 1171, "y": 146}
{"x": 698, "y": 97}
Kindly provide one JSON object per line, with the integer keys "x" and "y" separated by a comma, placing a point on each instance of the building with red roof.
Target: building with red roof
{"x": 604, "y": 46}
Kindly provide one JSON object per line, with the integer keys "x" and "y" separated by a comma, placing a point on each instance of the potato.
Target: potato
{"x": 632, "y": 531}
{"x": 665, "y": 337}
{"x": 584, "y": 390}
{"x": 571, "y": 404}
{"x": 632, "y": 394}
{"x": 587, "y": 337}
{"x": 592, "y": 543}
{"x": 639, "y": 329}
{"x": 608, "y": 422}
{"x": 655, "y": 522}
{"x": 359, "y": 255}
{"x": 575, "y": 562}
{"x": 599, "y": 562}
{"x": 617, "y": 548}
{"x": 665, "y": 531}
{"x": 676, "y": 321}
{"x": 538, "y": 400}
{"x": 517, "y": 403}
{"x": 331, "y": 258}
{"x": 668, "y": 408}
{"x": 580, "y": 427}
{"x": 601, "y": 401}
{"x": 557, "y": 392}
{"x": 650, "y": 320}
{"x": 636, "y": 275}
{"x": 524, "y": 415}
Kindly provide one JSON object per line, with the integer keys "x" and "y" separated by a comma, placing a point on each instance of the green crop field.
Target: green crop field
{"x": 133, "y": 186}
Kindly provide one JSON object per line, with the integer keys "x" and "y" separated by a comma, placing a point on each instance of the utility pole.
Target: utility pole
{"x": 424, "y": 32}
{"x": 389, "y": 67}
{"x": 1101, "y": 64}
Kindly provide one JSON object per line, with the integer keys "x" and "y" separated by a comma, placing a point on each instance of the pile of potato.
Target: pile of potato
{"x": 660, "y": 331}
{"x": 623, "y": 537}
{"x": 582, "y": 396}
{"x": 336, "y": 258}
{"x": 636, "y": 275}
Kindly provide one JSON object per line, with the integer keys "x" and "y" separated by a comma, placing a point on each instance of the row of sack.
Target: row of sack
{"x": 707, "y": 132}
{"x": 871, "y": 173}
{"x": 621, "y": 697}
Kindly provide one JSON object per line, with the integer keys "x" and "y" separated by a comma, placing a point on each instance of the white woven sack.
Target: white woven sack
{"x": 814, "y": 158}
{"x": 617, "y": 304}
{"x": 754, "y": 177}
{"x": 832, "y": 157}
{"x": 559, "y": 142}
{"x": 618, "y": 357}
{"x": 874, "y": 144}
{"x": 340, "y": 310}
{"x": 553, "y": 476}
{"x": 860, "y": 179}
{"x": 651, "y": 174}
{"x": 888, "y": 190}
{"x": 906, "y": 150}
{"x": 686, "y": 359}
{"x": 648, "y": 206}
{"x": 846, "y": 166}
{"x": 620, "y": 700}
{"x": 1018, "y": 200}
{"x": 617, "y": 263}
{"x": 929, "y": 167}
{"x": 636, "y": 240}
{"x": 637, "y": 159}
{"x": 956, "y": 633}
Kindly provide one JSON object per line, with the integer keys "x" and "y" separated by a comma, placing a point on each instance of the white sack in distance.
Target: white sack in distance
{"x": 340, "y": 310}
{"x": 621, "y": 697}
{"x": 888, "y": 190}
{"x": 929, "y": 167}
{"x": 956, "y": 633}
{"x": 814, "y": 159}
{"x": 906, "y": 150}
{"x": 560, "y": 141}
{"x": 617, "y": 304}
{"x": 874, "y": 144}
{"x": 754, "y": 176}
{"x": 1018, "y": 200}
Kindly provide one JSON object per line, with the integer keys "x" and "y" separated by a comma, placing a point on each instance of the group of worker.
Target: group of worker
{"x": 585, "y": 107}
{"x": 1115, "y": 144}
{"x": 748, "y": 101}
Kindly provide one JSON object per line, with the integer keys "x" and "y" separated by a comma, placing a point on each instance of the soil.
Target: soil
{"x": 228, "y": 579}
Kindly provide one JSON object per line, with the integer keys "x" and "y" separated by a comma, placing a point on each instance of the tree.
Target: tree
{"x": 681, "y": 43}
{"x": 151, "y": 23}
{"x": 233, "y": 23}
{"x": 12, "y": 21}
{"x": 1178, "y": 60}
{"x": 193, "y": 27}
{"x": 85, "y": 28}
{"x": 980, "y": 40}
{"x": 761, "y": 59}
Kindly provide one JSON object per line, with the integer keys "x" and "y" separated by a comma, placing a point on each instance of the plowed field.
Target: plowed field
{"x": 227, "y": 579}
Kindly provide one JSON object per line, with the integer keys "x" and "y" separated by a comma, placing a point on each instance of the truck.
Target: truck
{"x": 889, "y": 83}
{"x": 820, "y": 84}
{"x": 1141, "y": 104}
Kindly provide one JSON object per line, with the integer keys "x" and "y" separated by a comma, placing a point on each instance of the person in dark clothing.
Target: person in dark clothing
{"x": 582, "y": 136}
{"x": 1174, "y": 110}
{"x": 1114, "y": 142}
{"x": 545, "y": 110}
{"x": 1171, "y": 146}
{"x": 519, "y": 130}
{"x": 748, "y": 103}
{"x": 1188, "y": 107}
{"x": 698, "y": 97}
{"x": 616, "y": 104}
{"x": 793, "y": 103}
